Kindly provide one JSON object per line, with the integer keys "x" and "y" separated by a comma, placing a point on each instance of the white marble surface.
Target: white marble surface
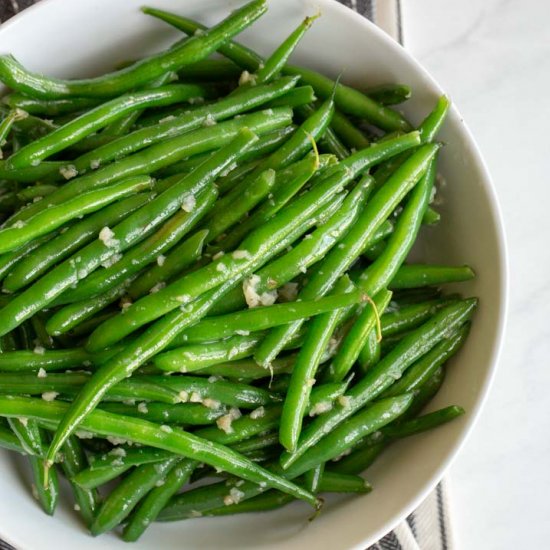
{"x": 493, "y": 58}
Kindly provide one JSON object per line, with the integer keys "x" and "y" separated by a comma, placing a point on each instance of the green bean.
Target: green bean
{"x": 52, "y": 251}
{"x": 36, "y": 192}
{"x": 71, "y": 383}
{"x": 389, "y": 94}
{"x": 147, "y": 251}
{"x": 126, "y": 495}
{"x": 261, "y": 318}
{"x": 360, "y": 459}
{"x": 410, "y": 316}
{"x": 99, "y": 117}
{"x": 139, "y": 73}
{"x": 304, "y": 370}
{"x": 52, "y": 107}
{"x": 432, "y": 123}
{"x": 146, "y": 433}
{"x": 9, "y": 441}
{"x": 6, "y": 125}
{"x": 149, "y": 508}
{"x": 419, "y": 373}
{"x": 70, "y": 316}
{"x": 384, "y": 373}
{"x": 257, "y": 191}
{"x": 74, "y": 461}
{"x": 354, "y": 340}
{"x": 277, "y": 60}
{"x": 124, "y": 455}
{"x": 229, "y": 393}
{"x": 312, "y": 478}
{"x": 339, "y": 259}
{"x": 46, "y": 491}
{"x": 134, "y": 228}
{"x": 256, "y": 443}
{"x": 28, "y": 434}
{"x": 20, "y": 233}
{"x": 86, "y": 327}
{"x": 25, "y": 361}
{"x": 369, "y": 354}
{"x": 425, "y": 422}
{"x": 179, "y": 258}
{"x": 210, "y": 70}
{"x": 248, "y": 369}
{"x": 184, "y": 123}
{"x": 335, "y": 482}
{"x": 187, "y": 414}
{"x": 351, "y": 101}
{"x": 413, "y": 276}
{"x": 301, "y": 95}
{"x": 329, "y": 141}
{"x": 345, "y": 129}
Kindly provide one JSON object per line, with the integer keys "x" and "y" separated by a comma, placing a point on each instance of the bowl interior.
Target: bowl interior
{"x": 82, "y": 38}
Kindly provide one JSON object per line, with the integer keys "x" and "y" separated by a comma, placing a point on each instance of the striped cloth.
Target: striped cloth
{"x": 428, "y": 527}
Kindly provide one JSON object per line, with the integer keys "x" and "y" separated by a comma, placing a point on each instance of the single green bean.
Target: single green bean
{"x": 389, "y": 94}
{"x": 344, "y": 128}
{"x": 74, "y": 461}
{"x": 301, "y": 95}
{"x": 51, "y": 107}
{"x": 261, "y": 318}
{"x": 413, "y": 276}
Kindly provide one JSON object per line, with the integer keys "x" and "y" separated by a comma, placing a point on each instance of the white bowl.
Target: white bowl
{"x": 81, "y": 38}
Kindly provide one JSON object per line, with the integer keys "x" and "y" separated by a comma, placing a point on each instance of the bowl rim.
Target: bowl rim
{"x": 486, "y": 181}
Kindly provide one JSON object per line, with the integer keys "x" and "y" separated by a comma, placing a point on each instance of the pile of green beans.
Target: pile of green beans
{"x": 204, "y": 265}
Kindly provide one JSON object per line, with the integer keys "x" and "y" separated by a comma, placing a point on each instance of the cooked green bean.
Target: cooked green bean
{"x": 49, "y": 107}
{"x": 413, "y": 276}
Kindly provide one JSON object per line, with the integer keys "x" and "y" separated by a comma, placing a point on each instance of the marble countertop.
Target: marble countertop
{"x": 493, "y": 58}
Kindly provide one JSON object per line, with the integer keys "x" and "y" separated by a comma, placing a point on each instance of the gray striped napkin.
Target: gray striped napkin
{"x": 428, "y": 527}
